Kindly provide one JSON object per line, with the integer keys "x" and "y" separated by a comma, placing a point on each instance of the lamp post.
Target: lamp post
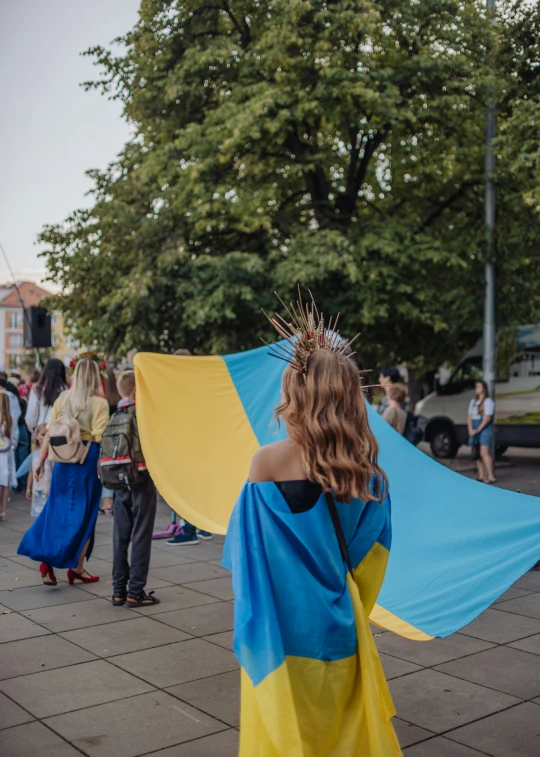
{"x": 490, "y": 336}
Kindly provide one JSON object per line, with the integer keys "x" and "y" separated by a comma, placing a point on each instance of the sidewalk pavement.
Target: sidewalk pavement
{"x": 80, "y": 677}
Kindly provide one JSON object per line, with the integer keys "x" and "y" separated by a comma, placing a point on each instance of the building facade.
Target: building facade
{"x": 12, "y": 304}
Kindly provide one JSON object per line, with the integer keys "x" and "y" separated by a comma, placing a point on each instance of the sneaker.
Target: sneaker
{"x": 183, "y": 540}
{"x": 206, "y": 535}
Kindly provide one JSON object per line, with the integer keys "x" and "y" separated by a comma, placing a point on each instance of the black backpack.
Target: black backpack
{"x": 121, "y": 462}
{"x": 413, "y": 432}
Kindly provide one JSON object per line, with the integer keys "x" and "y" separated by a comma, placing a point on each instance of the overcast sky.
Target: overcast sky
{"x": 51, "y": 130}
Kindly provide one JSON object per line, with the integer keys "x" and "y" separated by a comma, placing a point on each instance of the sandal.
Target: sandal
{"x": 118, "y": 601}
{"x": 142, "y": 600}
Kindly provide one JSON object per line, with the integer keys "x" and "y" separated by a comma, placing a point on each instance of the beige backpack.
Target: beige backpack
{"x": 65, "y": 444}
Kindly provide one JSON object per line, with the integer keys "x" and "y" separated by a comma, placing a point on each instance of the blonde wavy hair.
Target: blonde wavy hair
{"x": 85, "y": 383}
{"x": 326, "y": 415}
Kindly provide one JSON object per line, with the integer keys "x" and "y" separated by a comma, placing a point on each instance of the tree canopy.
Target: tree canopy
{"x": 339, "y": 144}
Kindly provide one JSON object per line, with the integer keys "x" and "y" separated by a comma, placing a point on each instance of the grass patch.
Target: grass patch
{"x": 530, "y": 418}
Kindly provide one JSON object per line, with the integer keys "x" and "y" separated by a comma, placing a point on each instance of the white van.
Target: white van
{"x": 517, "y": 396}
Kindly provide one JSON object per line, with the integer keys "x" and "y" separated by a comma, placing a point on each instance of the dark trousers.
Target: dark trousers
{"x": 134, "y": 513}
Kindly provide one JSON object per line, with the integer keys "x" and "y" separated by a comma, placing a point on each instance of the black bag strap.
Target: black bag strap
{"x": 339, "y": 532}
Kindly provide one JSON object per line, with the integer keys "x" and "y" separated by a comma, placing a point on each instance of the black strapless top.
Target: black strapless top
{"x": 300, "y": 495}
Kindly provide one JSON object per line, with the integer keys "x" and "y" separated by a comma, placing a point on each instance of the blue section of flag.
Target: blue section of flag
{"x": 302, "y": 596}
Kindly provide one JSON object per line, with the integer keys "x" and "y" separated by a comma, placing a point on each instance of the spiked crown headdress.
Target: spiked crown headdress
{"x": 305, "y": 333}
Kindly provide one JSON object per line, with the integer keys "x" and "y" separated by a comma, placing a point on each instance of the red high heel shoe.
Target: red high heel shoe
{"x": 86, "y": 579}
{"x": 47, "y": 574}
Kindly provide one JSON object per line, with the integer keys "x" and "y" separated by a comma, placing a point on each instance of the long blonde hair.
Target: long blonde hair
{"x": 6, "y": 419}
{"x": 86, "y": 383}
{"x": 326, "y": 415}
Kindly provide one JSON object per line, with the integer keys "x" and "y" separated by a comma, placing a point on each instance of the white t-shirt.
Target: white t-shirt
{"x": 474, "y": 408}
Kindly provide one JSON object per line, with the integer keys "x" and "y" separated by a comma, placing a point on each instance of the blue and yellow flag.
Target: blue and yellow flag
{"x": 312, "y": 681}
{"x": 457, "y": 544}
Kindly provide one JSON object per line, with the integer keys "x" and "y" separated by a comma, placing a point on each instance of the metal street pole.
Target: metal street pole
{"x": 490, "y": 336}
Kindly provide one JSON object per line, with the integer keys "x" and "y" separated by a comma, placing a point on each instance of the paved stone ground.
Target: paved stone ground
{"x": 78, "y": 676}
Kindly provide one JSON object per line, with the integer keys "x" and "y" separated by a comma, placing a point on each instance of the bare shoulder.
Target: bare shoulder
{"x": 269, "y": 460}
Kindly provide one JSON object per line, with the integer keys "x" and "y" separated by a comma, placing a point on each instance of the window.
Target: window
{"x": 468, "y": 373}
{"x": 15, "y": 320}
{"x": 15, "y": 341}
{"x": 14, "y": 361}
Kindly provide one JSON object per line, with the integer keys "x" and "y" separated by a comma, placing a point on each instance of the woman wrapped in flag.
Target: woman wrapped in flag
{"x": 307, "y": 545}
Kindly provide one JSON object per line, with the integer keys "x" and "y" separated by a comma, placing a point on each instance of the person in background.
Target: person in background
{"x": 38, "y": 491}
{"x": 44, "y": 394}
{"x": 394, "y": 414}
{"x": 134, "y": 514}
{"x": 111, "y": 390}
{"x": 188, "y": 534}
{"x": 388, "y": 375}
{"x": 63, "y": 534}
{"x": 15, "y": 404}
{"x": 480, "y": 425}
{"x": 7, "y": 457}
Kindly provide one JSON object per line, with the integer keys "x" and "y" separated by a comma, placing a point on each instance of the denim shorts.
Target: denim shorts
{"x": 485, "y": 436}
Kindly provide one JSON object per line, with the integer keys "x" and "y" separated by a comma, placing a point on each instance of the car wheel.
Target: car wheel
{"x": 500, "y": 449}
{"x": 443, "y": 442}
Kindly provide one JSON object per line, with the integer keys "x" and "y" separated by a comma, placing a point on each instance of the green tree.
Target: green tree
{"x": 337, "y": 144}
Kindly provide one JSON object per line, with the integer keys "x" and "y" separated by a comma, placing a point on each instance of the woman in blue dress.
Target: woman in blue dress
{"x": 62, "y": 536}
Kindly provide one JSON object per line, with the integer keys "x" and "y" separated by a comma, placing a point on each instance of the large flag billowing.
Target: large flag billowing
{"x": 457, "y": 544}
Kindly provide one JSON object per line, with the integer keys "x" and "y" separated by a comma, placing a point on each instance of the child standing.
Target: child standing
{"x": 8, "y": 440}
{"x": 134, "y": 502}
{"x": 38, "y": 491}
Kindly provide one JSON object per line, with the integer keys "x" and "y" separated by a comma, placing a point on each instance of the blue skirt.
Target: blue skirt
{"x": 69, "y": 517}
{"x": 486, "y": 435}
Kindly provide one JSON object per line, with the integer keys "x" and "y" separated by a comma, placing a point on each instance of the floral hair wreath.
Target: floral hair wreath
{"x": 305, "y": 333}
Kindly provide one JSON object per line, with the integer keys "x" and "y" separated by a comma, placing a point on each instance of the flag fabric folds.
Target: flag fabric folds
{"x": 457, "y": 544}
{"x": 312, "y": 681}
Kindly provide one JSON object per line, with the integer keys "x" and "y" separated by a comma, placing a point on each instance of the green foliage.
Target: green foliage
{"x": 337, "y": 144}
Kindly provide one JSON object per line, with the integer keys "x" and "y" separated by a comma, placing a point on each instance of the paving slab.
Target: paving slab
{"x": 78, "y": 615}
{"x": 207, "y": 552}
{"x": 14, "y": 626}
{"x": 502, "y": 668}
{"x": 221, "y": 588}
{"x": 161, "y": 559}
{"x": 72, "y": 688}
{"x": 42, "y": 653}
{"x": 442, "y": 747}
{"x": 408, "y": 733}
{"x": 530, "y": 644}
{"x": 529, "y": 606}
{"x": 512, "y": 593}
{"x": 428, "y": 653}
{"x": 184, "y": 574}
{"x": 218, "y": 696}
{"x": 125, "y": 636}
{"x": 439, "y": 702}
{"x": 34, "y": 739}
{"x": 104, "y": 587}
{"x": 225, "y": 639}
{"x": 513, "y": 733}
{"x": 135, "y": 726}
{"x": 501, "y": 627}
{"x": 8, "y": 564}
{"x": 42, "y": 596}
{"x": 394, "y": 666}
{"x": 176, "y": 598}
{"x": 26, "y": 562}
{"x": 530, "y": 581}
{"x": 203, "y": 620}
{"x": 224, "y": 744}
{"x": 11, "y": 714}
{"x": 178, "y": 663}
{"x": 20, "y": 578}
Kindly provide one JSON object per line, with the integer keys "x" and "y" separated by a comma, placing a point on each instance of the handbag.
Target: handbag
{"x": 65, "y": 443}
{"x": 475, "y": 447}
